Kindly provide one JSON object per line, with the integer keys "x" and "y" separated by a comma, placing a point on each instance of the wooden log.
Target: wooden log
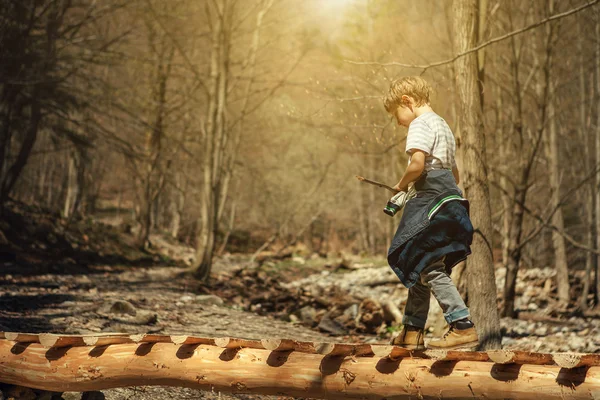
{"x": 520, "y": 357}
{"x": 343, "y": 349}
{"x": 234, "y": 343}
{"x": 278, "y": 344}
{"x": 574, "y": 360}
{"x": 22, "y": 337}
{"x": 257, "y": 371}
{"x": 53, "y": 340}
{"x": 455, "y": 355}
{"x": 104, "y": 339}
{"x": 393, "y": 352}
{"x": 150, "y": 338}
{"x": 182, "y": 339}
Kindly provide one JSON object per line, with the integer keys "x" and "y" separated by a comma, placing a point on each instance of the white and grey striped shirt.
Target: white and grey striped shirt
{"x": 431, "y": 134}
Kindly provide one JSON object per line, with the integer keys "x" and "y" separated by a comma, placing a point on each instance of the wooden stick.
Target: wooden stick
{"x": 22, "y": 337}
{"x": 393, "y": 352}
{"x": 278, "y": 344}
{"x": 379, "y": 184}
{"x": 104, "y": 339}
{"x": 181, "y": 339}
{"x": 150, "y": 338}
{"x": 569, "y": 360}
{"x": 334, "y": 349}
{"x": 232, "y": 343}
{"x": 53, "y": 340}
{"x": 456, "y": 355}
{"x": 520, "y": 357}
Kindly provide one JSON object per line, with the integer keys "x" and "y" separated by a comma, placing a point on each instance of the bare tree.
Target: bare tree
{"x": 482, "y": 285}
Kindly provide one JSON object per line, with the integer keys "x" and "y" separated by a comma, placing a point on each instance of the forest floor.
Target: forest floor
{"x": 301, "y": 297}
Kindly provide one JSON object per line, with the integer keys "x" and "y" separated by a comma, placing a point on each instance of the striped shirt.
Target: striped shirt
{"x": 431, "y": 134}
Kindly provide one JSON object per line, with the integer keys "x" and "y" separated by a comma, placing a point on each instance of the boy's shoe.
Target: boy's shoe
{"x": 462, "y": 334}
{"x": 410, "y": 338}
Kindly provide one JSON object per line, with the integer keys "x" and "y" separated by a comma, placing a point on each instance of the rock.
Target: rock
{"x": 123, "y": 307}
{"x": 351, "y": 311}
{"x": 329, "y": 325}
{"x": 145, "y": 317}
{"x": 71, "y": 396}
{"x": 294, "y": 319}
{"x": 541, "y": 331}
{"x": 576, "y": 343}
{"x": 186, "y": 298}
{"x": 307, "y": 315}
{"x": 209, "y": 299}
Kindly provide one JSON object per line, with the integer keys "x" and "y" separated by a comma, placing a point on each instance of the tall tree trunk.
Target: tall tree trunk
{"x": 597, "y": 191}
{"x": 480, "y": 267}
{"x": 558, "y": 241}
{"x": 71, "y": 186}
{"x": 213, "y": 141}
{"x": 515, "y": 250}
{"x": 30, "y": 136}
{"x": 154, "y": 174}
{"x": 588, "y": 194}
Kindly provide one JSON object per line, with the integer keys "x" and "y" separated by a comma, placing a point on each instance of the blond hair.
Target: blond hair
{"x": 413, "y": 86}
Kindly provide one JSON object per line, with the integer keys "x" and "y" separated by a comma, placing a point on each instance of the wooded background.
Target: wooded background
{"x": 230, "y": 124}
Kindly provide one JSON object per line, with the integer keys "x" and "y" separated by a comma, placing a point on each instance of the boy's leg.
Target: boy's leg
{"x": 440, "y": 283}
{"x": 462, "y": 333}
{"x": 417, "y": 305}
{"x": 415, "y": 316}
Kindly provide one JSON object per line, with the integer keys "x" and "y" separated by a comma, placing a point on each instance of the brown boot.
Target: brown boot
{"x": 411, "y": 338}
{"x": 457, "y": 338}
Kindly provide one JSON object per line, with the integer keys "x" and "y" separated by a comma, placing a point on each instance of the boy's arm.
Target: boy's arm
{"x": 455, "y": 173}
{"x": 413, "y": 172}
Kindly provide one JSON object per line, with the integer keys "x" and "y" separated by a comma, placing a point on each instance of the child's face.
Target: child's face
{"x": 404, "y": 115}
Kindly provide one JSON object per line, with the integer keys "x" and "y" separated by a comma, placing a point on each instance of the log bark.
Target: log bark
{"x": 259, "y": 371}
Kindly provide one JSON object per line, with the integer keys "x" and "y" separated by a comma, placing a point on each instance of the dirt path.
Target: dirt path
{"x": 163, "y": 302}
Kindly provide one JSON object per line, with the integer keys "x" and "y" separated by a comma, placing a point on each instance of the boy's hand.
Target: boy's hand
{"x": 398, "y": 189}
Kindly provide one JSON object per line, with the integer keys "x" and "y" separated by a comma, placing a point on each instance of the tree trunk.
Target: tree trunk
{"x": 30, "y": 136}
{"x": 71, "y": 186}
{"x": 597, "y": 191}
{"x": 558, "y": 241}
{"x": 482, "y": 284}
{"x": 213, "y": 142}
{"x": 153, "y": 168}
{"x": 588, "y": 193}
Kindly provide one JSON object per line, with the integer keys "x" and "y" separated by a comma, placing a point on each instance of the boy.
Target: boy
{"x": 435, "y": 232}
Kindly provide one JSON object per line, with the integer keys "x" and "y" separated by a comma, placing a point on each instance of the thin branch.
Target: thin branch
{"x": 481, "y": 46}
